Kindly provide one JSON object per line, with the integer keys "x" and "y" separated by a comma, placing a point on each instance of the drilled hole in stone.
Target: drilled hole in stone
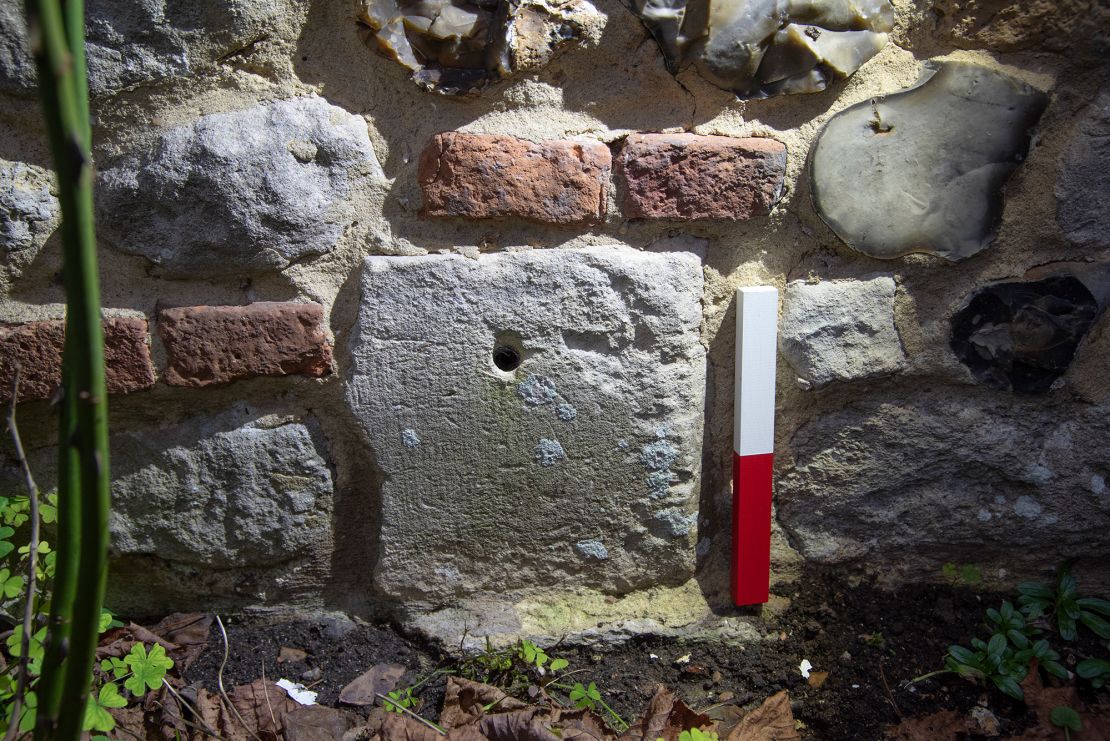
{"x": 507, "y": 358}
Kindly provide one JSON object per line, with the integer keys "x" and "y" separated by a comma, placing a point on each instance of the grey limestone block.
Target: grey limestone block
{"x": 840, "y": 330}
{"x": 923, "y": 170}
{"x": 135, "y": 42}
{"x": 1083, "y": 183}
{"x": 463, "y": 373}
{"x": 241, "y": 191}
{"x": 907, "y": 484}
{"x": 236, "y": 490}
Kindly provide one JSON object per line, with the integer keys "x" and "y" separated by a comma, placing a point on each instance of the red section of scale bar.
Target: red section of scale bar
{"x": 751, "y": 527}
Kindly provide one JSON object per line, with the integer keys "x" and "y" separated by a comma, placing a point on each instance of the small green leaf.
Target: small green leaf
{"x": 961, "y": 654}
{"x": 1096, "y": 604}
{"x": 48, "y": 513}
{"x": 1055, "y": 668}
{"x": 1017, "y": 638}
{"x": 148, "y": 670}
{"x": 1036, "y": 590}
{"x": 1009, "y": 686}
{"x": 97, "y": 717}
{"x": 1098, "y": 626}
{"x": 1065, "y": 717}
{"x": 997, "y": 645}
{"x": 1092, "y": 668}
{"x": 559, "y": 664}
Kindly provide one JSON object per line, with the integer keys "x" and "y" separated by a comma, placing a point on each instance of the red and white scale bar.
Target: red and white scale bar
{"x": 753, "y": 458}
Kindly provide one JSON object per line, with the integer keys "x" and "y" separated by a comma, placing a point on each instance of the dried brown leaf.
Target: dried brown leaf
{"x": 189, "y": 632}
{"x": 317, "y": 723}
{"x": 942, "y": 725}
{"x": 364, "y": 689}
{"x": 666, "y": 717}
{"x": 771, "y": 721}
{"x": 464, "y": 702}
{"x": 403, "y": 728}
{"x": 519, "y": 725}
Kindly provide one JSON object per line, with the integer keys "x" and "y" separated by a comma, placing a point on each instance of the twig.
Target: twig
{"x": 220, "y": 682}
{"x": 425, "y": 721}
{"x": 32, "y": 557}
{"x": 271, "y": 707}
{"x": 889, "y": 695}
{"x": 185, "y": 704}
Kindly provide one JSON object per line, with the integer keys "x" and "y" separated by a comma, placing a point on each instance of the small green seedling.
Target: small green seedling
{"x": 533, "y": 655}
{"x": 585, "y": 697}
{"x": 994, "y": 662}
{"x": 1067, "y": 719}
{"x": 1011, "y": 623}
{"x": 400, "y": 700}
{"x": 966, "y": 574}
{"x": 1096, "y": 670}
{"x": 1065, "y": 606}
{"x": 696, "y": 734}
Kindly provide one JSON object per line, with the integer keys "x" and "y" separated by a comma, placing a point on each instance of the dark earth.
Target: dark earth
{"x": 872, "y": 643}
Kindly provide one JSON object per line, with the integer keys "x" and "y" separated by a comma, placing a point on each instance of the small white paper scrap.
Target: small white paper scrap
{"x": 298, "y": 692}
{"x": 805, "y": 667}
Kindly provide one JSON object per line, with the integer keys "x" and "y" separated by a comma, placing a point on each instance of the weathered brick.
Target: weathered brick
{"x": 686, "y": 176}
{"x": 212, "y": 345}
{"x": 481, "y": 176}
{"x": 38, "y": 348}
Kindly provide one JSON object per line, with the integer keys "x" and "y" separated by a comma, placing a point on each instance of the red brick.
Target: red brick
{"x": 686, "y": 176}
{"x": 212, "y": 345}
{"x": 481, "y": 176}
{"x": 38, "y": 347}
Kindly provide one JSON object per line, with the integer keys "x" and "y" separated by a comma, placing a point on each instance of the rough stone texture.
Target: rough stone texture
{"x": 220, "y": 495}
{"x": 686, "y": 176}
{"x": 758, "y": 48}
{"x": 840, "y": 330}
{"x": 922, "y": 170}
{"x": 1022, "y": 336}
{"x": 981, "y": 479}
{"x": 1083, "y": 185}
{"x": 1078, "y": 28}
{"x": 232, "y": 490}
{"x": 213, "y": 345}
{"x": 38, "y": 348}
{"x": 615, "y": 332}
{"x": 29, "y": 212}
{"x": 1087, "y": 375}
{"x": 457, "y": 48}
{"x": 481, "y": 176}
{"x": 132, "y": 42}
{"x": 242, "y": 191}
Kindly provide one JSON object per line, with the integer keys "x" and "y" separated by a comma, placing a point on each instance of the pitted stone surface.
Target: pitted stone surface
{"x": 613, "y": 332}
{"x": 242, "y": 191}
{"x": 758, "y": 48}
{"x": 132, "y": 42}
{"x": 935, "y": 477}
{"x": 922, "y": 170}
{"x": 686, "y": 176}
{"x": 37, "y": 346}
{"x": 840, "y": 330}
{"x": 1083, "y": 185}
{"x": 483, "y": 176}
{"x": 232, "y": 490}
{"x": 29, "y": 211}
{"x": 213, "y": 345}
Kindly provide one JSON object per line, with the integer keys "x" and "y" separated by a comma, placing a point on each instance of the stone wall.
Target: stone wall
{"x": 455, "y": 342}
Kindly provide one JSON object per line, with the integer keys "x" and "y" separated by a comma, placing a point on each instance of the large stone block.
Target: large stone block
{"x": 976, "y": 478}
{"x": 241, "y": 191}
{"x": 1083, "y": 185}
{"x": 214, "y": 345}
{"x": 537, "y": 418}
{"x": 221, "y": 492}
{"x": 686, "y": 176}
{"x": 133, "y": 42}
{"x": 840, "y": 330}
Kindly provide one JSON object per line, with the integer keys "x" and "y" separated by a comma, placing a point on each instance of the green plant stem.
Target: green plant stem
{"x": 32, "y": 558}
{"x": 930, "y": 675}
{"x": 57, "y": 34}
